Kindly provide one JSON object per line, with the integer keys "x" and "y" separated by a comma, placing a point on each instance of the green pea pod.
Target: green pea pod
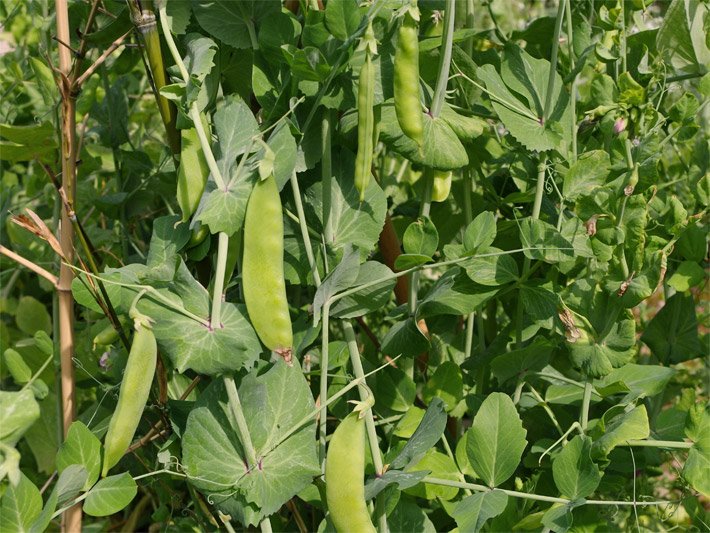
{"x": 441, "y": 185}
{"x": 263, "y": 268}
{"x": 108, "y": 335}
{"x": 193, "y": 172}
{"x": 344, "y": 477}
{"x": 407, "y": 103}
{"x": 135, "y": 388}
{"x": 365, "y": 126}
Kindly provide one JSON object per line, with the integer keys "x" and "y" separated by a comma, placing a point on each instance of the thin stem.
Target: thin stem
{"x": 573, "y": 85}
{"x": 29, "y": 265}
{"x": 622, "y": 36}
{"x": 323, "y": 430}
{"x": 586, "y": 399}
{"x": 671, "y": 444}
{"x": 235, "y": 406}
{"x": 327, "y": 177}
{"x": 553, "y": 60}
{"x": 103, "y": 57}
{"x": 424, "y": 212}
{"x": 468, "y": 217}
{"x": 304, "y": 229}
{"x": 222, "y": 250}
{"x": 447, "y": 40}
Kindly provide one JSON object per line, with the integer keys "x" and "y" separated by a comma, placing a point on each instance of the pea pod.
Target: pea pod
{"x": 263, "y": 268}
{"x": 135, "y": 388}
{"x": 407, "y": 103}
{"x": 366, "y": 130}
{"x": 108, "y": 335}
{"x": 344, "y": 477}
{"x": 441, "y": 185}
{"x": 193, "y": 171}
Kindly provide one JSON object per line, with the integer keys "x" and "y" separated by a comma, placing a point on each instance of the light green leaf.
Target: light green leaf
{"x": 681, "y": 37}
{"x": 496, "y": 439}
{"x": 229, "y": 21}
{"x": 18, "y": 411}
{"x": 575, "y": 474}
{"x": 31, "y": 315}
{"x": 421, "y": 237}
{"x": 71, "y": 482}
{"x": 696, "y": 469}
{"x": 83, "y": 448}
{"x": 394, "y": 389}
{"x": 342, "y": 18}
{"x": 631, "y": 425}
{"x": 446, "y": 383}
{"x": 441, "y": 466}
{"x": 474, "y": 511}
{"x": 641, "y": 380}
{"x": 587, "y": 173}
{"x": 672, "y": 334}
{"x": 371, "y": 298}
{"x": 492, "y": 270}
{"x": 110, "y": 495}
{"x": 687, "y": 275}
{"x": 454, "y": 293}
{"x": 272, "y": 403}
{"x": 425, "y": 436}
{"x": 409, "y": 516}
{"x": 480, "y": 233}
{"x": 542, "y": 241}
{"x": 20, "y": 505}
{"x": 179, "y": 14}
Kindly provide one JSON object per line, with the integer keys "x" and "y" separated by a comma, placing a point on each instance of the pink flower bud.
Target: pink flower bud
{"x": 619, "y": 125}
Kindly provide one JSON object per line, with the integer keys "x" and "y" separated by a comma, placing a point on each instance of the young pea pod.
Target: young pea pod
{"x": 263, "y": 268}
{"x": 193, "y": 171}
{"x": 366, "y": 129}
{"x": 407, "y": 103}
{"x": 135, "y": 388}
{"x": 441, "y": 185}
{"x": 344, "y": 477}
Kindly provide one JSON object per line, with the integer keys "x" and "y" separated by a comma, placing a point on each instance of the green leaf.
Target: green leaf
{"x": 421, "y": 237}
{"x": 516, "y": 363}
{"x": 446, "y": 383}
{"x": 404, "y": 338}
{"x": 454, "y": 293}
{"x": 71, "y": 482}
{"x": 587, "y": 173}
{"x": 619, "y": 428}
{"x": 342, "y": 18}
{"x": 342, "y": 277}
{"x": 672, "y": 335}
{"x": 229, "y": 21}
{"x": 681, "y": 37}
{"x": 575, "y": 474}
{"x": 233, "y": 142}
{"x": 697, "y": 426}
{"x": 407, "y": 261}
{"x": 353, "y": 222}
{"x": 480, "y": 233}
{"x": 31, "y": 316}
{"x": 273, "y": 403}
{"x": 179, "y": 14}
{"x": 409, "y": 516}
{"x": 425, "y": 436}
{"x": 441, "y": 149}
{"x": 17, "y": 367}
{"x": 110, "y": 495}
{"x": 18, "y": 411}
{"x": 542, "y": 241}
{"x": 441, "y": 466}
{"x": 496, "y": 440}
{"x": 642, "y": 381}
{"x": 83, "y": 448}
{"x": 696, "y": 468}
{"x": 24, "y": 143}
{"x": 20, "y": 505}
{"x": 169, "y": 236}
{"x": 371, "y": 298}
{"x": 474, "y": 511}
{"x": 687, "y": 275}
{"x": 201, "y": 51}
{"x": 492, "y": 270}
{"x": 394, "y": 389}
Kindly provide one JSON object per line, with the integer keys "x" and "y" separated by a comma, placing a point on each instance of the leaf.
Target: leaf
{"x": 273, "y": 403}
{"x": 575, "y": 474}
{"x": 454, "y": 293}
{"x": 446, "y": 383}
{"x": 632, "y": 425}
{"x": 407, "y": 261}
{"x": 233, "y": 142}
{"x": 493, "y": 268}
{"x": 404, "y": 338}
{"x": 681, "y": 37}
{"x": 229, "y": 21}
{"x": 441, "y": 149}
{"x": 474, "y": 511}
{"x": 369, "y": 299}
{"x": 587, "y": 173}
{"x": 542, "y": 241}
{"x": 425, "y": 437}
{"x": 31, "y": 316}
{"x": 353, "y": 222}
{"x": 81, "y": 447}
{"x": 71, "y": 482}
{"x": 110, "y": 495}
{"x": 18, "y": 412}
{"x": 394, "y": 389}
{"x": 404, "y": 480}
{"x": 409, "y": 516}
{"x": 20, "y": 505}
{"x": 517, "y": 363}
{"x": 179, "y": 14}
{"x": 480, "y": 233}
{"x": 342, "y": 277}
{"x": 24, "y": 143}
{"x": 696, "y": 468}
{"x": 421, "y": 237}
{"x": 223, "y": 210}
{"x": 642, "y": 381}
{"x": 687, "y": 275}
{"x": 496, "y": 439}
{"x": 441, "y": 466}
{"x": 342, "y": 18}
{"x": 169, "y": 236}
{"x": 201, "y": 51}
{"x": 672, "y": 335}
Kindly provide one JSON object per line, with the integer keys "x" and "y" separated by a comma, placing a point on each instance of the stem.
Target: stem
{"x": 470, "y": 21}
{"x": 673, "y": 444}
{"x": 323, "y": 430}
{"x": 538, "y": 497}
{"x": 447, "y": 40}
{"x": 29, "y": 265}
{"x": 586, "y": 399}
{"x": 222, "y": 249}
{"x": 235, "y": 406}
{"x": 327, "y": 176}
{"x": 468, "y": 217}
{"x": 369, "y": 419}
{"x": 573, "y": 85}
{"x": 424, "y": 212}
{"x": 553, "y": 60}
{"x": 304, "y": 229}
{"x": 622, "y": 37}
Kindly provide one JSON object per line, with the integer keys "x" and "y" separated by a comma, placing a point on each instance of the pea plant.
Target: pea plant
{"x": 341, "y": 265}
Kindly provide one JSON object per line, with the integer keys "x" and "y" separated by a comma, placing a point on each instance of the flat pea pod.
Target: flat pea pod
{"x": 135, "y": 388}
{"x": 263, "y": 268}
{"x": 193, "y": 172}
{"x": 345, "y": 477}
{"x": 365, "y": 126}
{"x": 441, "y": 185}
{"x": 407, "y": 103}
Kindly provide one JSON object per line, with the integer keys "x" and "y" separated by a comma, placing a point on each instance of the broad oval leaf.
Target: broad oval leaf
{"x": 110, "y": 495}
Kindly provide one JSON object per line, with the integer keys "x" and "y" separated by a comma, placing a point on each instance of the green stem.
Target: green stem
{"x": 235, "y": 406}
{"x": 553, "y": 60}
{"x": 323, "y": 431}
{"x": 622, "y": 37}
{"x": 447, "y": 40}
{"x": 424, "y": 212}
{"x": 468, "y": 217}
{"x": 304, "y": 229}
{"x": 222, "y": 252}
{"x": 470, "y": 21}
{"x": 573, "y": 85}
{"x": 672, "y": 444}
{"x": 327, "y": 177}
{"x": 450, "y": 453}
{"x": 586, "y": 400}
